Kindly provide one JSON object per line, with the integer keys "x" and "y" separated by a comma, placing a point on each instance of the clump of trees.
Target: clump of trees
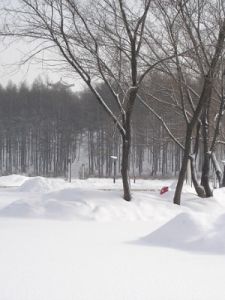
{"x": 44, "y": 125}
{"x": 121, "y": 45}
{"x": 38, "y": 131}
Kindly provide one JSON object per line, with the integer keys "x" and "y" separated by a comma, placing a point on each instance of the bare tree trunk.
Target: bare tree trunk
{"x": 207, "y": 155}
{"x": 126, "y": 141}
{"x": 199, "y": 189}
{"x": 205, "y": 175}
{"x": 217, "y": 168}
{"x": 125, "y": 169}
{"x": 181, "y": 178}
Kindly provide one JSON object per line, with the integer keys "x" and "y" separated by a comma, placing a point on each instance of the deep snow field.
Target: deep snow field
{"x": 81, "y": 241}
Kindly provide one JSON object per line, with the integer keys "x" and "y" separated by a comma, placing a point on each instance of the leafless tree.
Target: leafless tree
{"x": 200, "y": 27}
{"x": 104, "y": 40}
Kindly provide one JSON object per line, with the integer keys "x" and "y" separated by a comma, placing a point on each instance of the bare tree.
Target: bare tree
{"x": 200, "y": 28}
{"x": 102, "y": 40}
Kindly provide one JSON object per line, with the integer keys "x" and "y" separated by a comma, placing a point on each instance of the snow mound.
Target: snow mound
{"x": 18, "y": 209}
{"x": 186, "y": 187}
{"x": 89, "y": 204}
{"x": 72, "y": 194}
{"x": 12, "y": 180}
{"x": 190, "y": 232}
{"x": 215, "y": 239}
{"x": 39, "y": 185}
{"x": 179, "y": 231}
{"x": 219, "y": 194}
{"x": 60, "y": 210}
{"x": 56, "y": 209}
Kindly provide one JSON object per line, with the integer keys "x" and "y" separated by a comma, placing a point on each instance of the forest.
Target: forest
{"x": 45, "y": 126}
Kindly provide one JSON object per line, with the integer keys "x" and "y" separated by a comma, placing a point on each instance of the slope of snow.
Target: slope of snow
{"x": 12, "y": 180}
{"x": 82, "y": 241}
{"x": 41, "y": 185}
{"x": 190, "y": 232}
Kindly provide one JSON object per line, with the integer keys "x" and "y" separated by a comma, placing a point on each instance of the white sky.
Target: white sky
{"x": 11, "y": 70}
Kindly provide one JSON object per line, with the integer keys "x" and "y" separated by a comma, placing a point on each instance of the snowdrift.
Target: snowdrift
{"x": 12, "y": 180}
{"x": 197, "y": 225}
{"x": 41, "y": 185}
{"x": 192, "y": 232}
{"x": 81, "y": 240}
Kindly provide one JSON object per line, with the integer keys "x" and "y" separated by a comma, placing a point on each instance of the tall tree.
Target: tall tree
{"x": 197, "y": 26}
{"x": 98, "y": 40}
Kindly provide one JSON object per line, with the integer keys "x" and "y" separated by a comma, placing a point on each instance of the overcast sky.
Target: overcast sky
{"x": 11, "y": 69}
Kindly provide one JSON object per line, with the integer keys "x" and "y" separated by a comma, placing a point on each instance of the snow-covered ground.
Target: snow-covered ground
{"x": 81, "y": 241}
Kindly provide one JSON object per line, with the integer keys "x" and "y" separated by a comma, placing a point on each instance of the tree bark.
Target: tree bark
{"x": 203, "y": 100}
{"x": 207, "y": 155}
{"x": 198, "y": 188}
{"x": 126, "y": 141}
{"x": 217, "y": 168}
{"x": 125, "y": 165}
{"x": 205, "y": 175}
{"x": 181, "y": 178}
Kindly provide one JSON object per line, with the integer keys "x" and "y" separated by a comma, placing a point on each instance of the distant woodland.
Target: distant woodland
{"x": 44, "y": 126}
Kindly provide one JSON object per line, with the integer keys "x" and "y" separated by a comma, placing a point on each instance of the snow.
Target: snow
{"x": 187, "y": 232}
{"x": 41, "y": 185}
{"x": 12, "y": 180}
{"x": 82, "y": 241}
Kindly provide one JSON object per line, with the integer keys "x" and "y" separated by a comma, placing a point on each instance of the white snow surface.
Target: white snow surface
{"x": 82, "y": 241}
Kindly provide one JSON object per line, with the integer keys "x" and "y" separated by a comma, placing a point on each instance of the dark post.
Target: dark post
{"x": 133, "y": 162}
{"x": 69, "y": 169}
{"x": 114, "y": 174}
{"x": 223, "y": 182}
{"x": 83, "y": 171}
{"x": 114, "y": 158}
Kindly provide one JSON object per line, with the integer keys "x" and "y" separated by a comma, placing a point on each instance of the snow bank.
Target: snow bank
{"x": 47, "y": 253}
{"x": 37, "y": 184}
{"x": 192, "y": 232}
{"x": 41, "y": 185}
{"x": 12, "y": 180}
{"x": 54, "y": 198}
{"x": 18, "y": 209}
{"x": 197, "y": 225}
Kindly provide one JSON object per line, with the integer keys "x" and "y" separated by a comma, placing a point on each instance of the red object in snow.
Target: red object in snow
{"x": 164, "y": 189}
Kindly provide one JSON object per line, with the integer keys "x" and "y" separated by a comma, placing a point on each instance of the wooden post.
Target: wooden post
{"x": 114, "y": 158}
{"x": 69, "y": 169}
{"x": 83, "y": 169}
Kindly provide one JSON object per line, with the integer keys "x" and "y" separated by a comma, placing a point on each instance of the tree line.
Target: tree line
{"x": 38, "y": 131}
{"x": 44, "y": 126}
